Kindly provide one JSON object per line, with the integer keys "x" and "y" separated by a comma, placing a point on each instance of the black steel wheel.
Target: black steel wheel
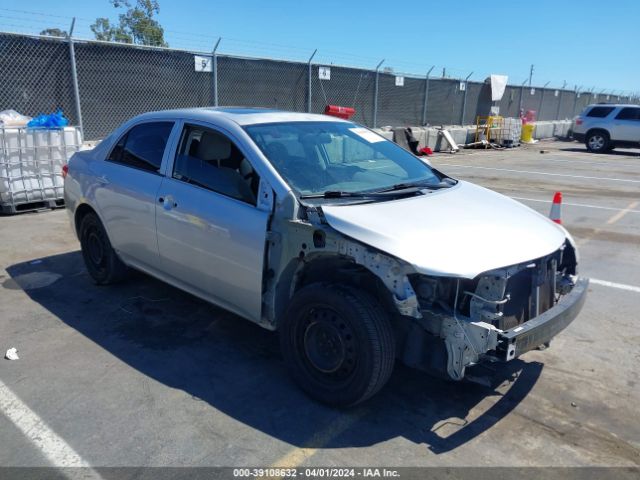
{"x": 338, "y": 343}
{"x": 100, "y": 258}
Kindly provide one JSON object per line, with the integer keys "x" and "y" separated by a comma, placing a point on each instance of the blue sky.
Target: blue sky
{"x": 589, "y": 43}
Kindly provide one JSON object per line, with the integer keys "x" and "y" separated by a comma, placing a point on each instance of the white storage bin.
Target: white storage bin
{"x": 31, "y": 161}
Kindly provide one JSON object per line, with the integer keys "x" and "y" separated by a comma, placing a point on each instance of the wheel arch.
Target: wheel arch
{"x": 82, "y": 211}
{"x": 333, "y": 268}
{"x": 593, "y": 130}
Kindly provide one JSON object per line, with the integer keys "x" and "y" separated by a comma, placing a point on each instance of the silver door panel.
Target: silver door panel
{"x": 126, "y": 198}
{"x": 214, "y": 244}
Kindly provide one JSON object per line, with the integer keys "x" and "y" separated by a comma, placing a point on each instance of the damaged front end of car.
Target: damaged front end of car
{"x": 496, "y": 316}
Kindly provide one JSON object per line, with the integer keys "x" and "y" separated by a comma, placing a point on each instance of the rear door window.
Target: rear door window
{"x": 600, "y": 112}
{"x": 143, "y": 146}
{"x": 629, "y": 113}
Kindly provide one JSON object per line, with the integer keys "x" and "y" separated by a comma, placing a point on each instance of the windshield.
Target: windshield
{"x": 320, "y": 157}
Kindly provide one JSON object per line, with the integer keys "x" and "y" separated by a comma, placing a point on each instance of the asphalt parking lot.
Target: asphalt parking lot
{"x": 140, "y": 374}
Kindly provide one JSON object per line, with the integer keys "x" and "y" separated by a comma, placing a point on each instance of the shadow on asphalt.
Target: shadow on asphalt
{"x": 235, "y": 366}
{"x": 621, "y": 153}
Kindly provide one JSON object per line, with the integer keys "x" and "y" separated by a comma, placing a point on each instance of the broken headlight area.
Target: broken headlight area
{"x": 466, "y": 321}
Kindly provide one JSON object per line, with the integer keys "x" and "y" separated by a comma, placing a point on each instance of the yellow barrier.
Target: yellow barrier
{"x": 527, "y": 133}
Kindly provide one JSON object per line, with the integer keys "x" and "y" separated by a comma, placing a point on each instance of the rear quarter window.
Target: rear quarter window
{"x": 600, "y": 112}
{"x": 629, "y": 113}
{"x": 143, "y": 146}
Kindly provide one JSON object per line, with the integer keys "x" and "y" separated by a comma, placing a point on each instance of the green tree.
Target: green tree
{"x": 136, "y": 25}
{"x": 53, "y": 32}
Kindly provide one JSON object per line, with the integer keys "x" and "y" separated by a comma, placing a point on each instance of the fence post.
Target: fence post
{"x": 575, "y": 100}
{"x": 214, "y": 72}
{"x": 560, "y": 92}
{"x": 309, "y": 81}
{"x": 426, "y": 96}
{"x": 541, "y": 100}
{"x": 375, "y": 96}
{"x": 464, "y": 99}
{"x": 74, "y": 76}
{"x": 520, "y": 112}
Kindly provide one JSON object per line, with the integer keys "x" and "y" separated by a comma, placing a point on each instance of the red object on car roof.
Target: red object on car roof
{"x": 340, "y": 112}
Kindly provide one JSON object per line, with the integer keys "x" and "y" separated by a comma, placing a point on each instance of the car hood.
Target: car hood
{"x": 460, "y": 231}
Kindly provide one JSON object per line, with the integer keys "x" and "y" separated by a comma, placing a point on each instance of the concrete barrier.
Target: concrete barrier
{"x": 388, "y": 134}
{"x": 471, "y": 133}
{"x": 551, "y": 128}
{"x": 463, "y": 134}
{"x": 543, "y": 130}
{"x": 432, "y": 139}
{"x": 458, "y": 133}
{"x": 420, "y": 134}
{"x": 561, "y": 128}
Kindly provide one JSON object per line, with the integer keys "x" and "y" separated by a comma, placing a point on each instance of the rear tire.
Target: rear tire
{"x": 100, "y": 258}
{"x": 338, "y": 343}
{"x": 597, "y": 141}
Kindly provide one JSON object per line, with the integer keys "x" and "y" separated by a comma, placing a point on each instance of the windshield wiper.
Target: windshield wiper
{"x": 397, "y": 189}
{"x": 337, "y": 194}
{"x": 378, "y": 194}
{"x": 444, "y": 183}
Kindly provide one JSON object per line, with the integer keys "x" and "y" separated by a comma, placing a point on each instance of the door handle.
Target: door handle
{"x": 167, "y": 202}
{"x": 103, "y": 180}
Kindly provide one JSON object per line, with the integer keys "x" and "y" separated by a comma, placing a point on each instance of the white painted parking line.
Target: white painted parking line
{"x": 620, "y": 286}
{"x": 50, "y": 444}
{"x": 584, "y": 205}
{"x": 610, "y": 164}
{"x": 541, "y": 173}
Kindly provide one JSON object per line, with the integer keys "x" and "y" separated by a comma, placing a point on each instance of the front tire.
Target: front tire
{"x": 100, "y": 258}
{"x": 597, "y": 141}
{"x": 338, "y": 343}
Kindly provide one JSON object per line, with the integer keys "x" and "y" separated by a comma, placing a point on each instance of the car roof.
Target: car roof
{"x": 614, "y": 105}
{"x": 241, "y": 115}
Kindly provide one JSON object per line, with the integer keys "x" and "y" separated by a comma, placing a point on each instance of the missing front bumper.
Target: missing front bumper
{"x": 541, "y": 329}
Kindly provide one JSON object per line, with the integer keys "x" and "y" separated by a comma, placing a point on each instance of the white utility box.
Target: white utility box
{"x": 31, "y": 161}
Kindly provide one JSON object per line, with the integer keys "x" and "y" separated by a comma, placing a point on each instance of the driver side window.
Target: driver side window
{"x": 210, "y": 160}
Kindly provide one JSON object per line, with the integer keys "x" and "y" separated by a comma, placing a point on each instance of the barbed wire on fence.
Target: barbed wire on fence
{"x": 105, "y": 83}
{"x": 23, "y": 21}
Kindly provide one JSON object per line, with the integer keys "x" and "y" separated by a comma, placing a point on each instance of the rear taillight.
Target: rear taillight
{"x": 65, "y": 170}
{"x": 578, "y": 121}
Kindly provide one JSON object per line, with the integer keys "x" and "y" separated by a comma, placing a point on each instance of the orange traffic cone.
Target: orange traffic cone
{"x": 555, "y": 214}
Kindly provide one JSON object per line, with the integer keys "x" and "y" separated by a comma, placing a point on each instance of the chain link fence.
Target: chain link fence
{"x": 35, "y": 74}
{"x": 118, "y": 81}
{"x": 261, "y": 83}
{"x": 349, "y": 87}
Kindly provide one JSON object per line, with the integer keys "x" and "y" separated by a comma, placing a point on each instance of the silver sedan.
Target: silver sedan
{"x": 355, "y": 250}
